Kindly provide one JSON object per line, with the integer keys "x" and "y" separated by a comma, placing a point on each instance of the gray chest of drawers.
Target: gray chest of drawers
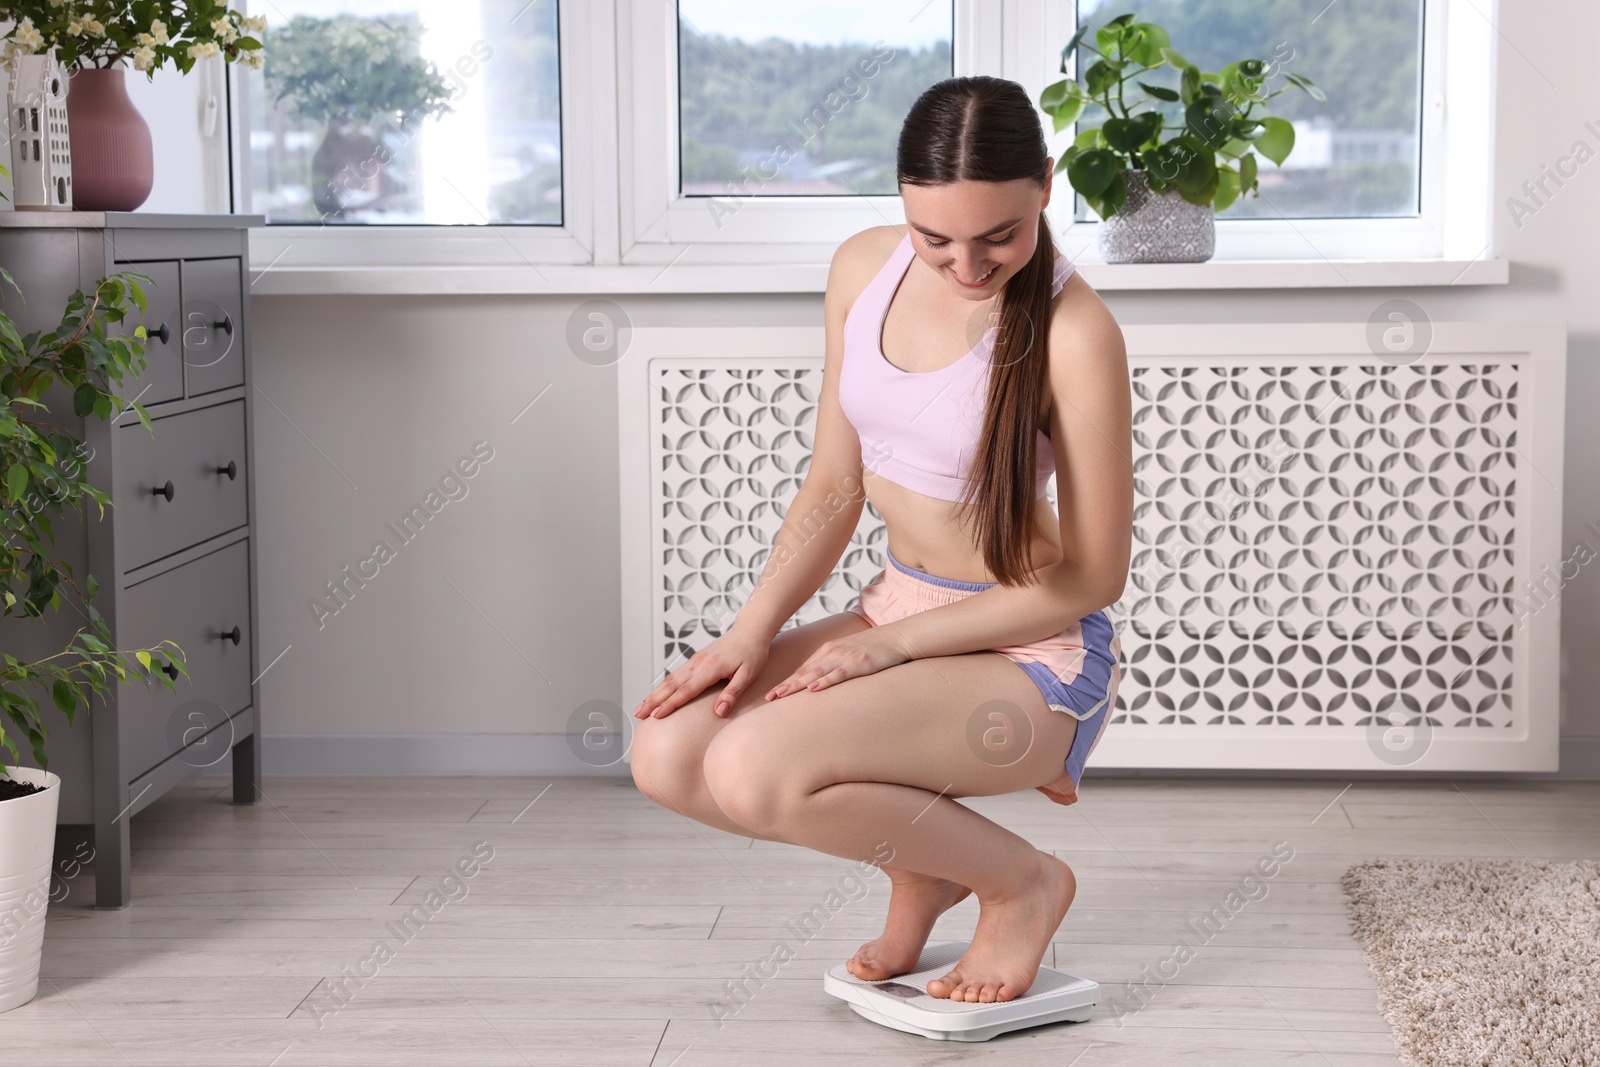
{"x": 175, "y": 554}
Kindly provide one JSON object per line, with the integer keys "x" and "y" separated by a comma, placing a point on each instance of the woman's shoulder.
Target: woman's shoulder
{"x": 859, "y": 259}
{"x": 1083, "y": 331}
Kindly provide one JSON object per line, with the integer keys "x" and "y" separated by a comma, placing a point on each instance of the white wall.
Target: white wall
{"x": 392, "y": 390}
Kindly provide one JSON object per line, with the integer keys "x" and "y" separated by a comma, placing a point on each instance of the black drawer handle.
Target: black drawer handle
{"x": 226, "y": 325}
{"x": 165, "y": 333}
{"x": 231, "y": 635}
{"x": 164, "y": 490}
{"x": 231, "y": 470}
{"x": 170, "y": 670}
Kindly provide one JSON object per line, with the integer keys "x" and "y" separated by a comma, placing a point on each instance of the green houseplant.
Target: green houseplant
{"x": 43, "y": 476}
{"x": 1196, "y": 143}
{"x": 352, "y": 76}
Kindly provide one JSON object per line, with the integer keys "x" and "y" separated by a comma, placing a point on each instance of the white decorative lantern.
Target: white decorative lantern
{"x": 41, "y": 157}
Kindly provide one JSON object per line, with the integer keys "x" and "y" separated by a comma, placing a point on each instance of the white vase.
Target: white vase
{"x": 27, "y": 845}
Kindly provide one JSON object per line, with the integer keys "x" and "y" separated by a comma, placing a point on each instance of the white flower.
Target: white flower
{"x": 94, "y": 27}
{"x": 223, "y": 28}
{"x": 27, "y": 36}
{"x": 158, "y": 30}
{"x": 144, "y": 39}
{"x": 255, "y": 25}
{"x": 255, "y": 60}
{"x": 203, "y": 49}
{"x": 144, "y": 57}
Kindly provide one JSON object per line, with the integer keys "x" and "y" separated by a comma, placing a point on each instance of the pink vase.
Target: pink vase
{"x": 113, "y": 163}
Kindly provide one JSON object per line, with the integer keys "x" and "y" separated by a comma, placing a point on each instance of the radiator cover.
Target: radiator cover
{"x": 1332, "y": 552}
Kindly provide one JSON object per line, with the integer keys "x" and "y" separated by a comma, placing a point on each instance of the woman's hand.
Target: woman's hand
{"x": 736, "y": 655}
{"x": 833, "y": 661}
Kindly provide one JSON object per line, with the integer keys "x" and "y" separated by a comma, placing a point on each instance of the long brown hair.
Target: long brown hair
{"x": 981, "y": 128}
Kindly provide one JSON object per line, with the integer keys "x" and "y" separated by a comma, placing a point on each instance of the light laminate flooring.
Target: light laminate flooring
{"x": 606, "y": 931}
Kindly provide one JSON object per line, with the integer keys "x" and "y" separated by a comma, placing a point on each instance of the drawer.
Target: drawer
{"x": 191, "y": 451}
{"x": 163, "y": 349}
{"x": 213, "y": 324}
{"x": 196, "y": 605}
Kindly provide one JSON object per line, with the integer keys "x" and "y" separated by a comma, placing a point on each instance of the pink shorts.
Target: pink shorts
{"x": 1076, "y": 669}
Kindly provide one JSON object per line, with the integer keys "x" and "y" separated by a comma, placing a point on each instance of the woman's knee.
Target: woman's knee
{"x": 745, "y": 775}
{"x": 666, "y": 758}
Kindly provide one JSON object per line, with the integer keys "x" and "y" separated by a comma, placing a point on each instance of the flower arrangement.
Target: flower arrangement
{"x": 90, "y": 34}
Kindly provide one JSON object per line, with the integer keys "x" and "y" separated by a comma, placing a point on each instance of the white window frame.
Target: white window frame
{"x": 619, "y": 131}
{"x": 588, "y": 166}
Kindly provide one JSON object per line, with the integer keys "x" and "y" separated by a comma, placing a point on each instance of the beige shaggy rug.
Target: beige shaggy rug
{"x": 1492, "y": 963}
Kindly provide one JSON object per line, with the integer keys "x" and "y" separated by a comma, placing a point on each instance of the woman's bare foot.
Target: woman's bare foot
{"x": 915, "y": 904}
{"x": 1011, "y": 939}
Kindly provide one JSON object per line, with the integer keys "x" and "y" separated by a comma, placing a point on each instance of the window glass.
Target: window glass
{"x": 407, "y": 111}
{"x": 1356, "y": 156}
{"x": 785, "y": 99}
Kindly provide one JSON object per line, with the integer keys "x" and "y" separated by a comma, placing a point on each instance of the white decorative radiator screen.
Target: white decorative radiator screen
{"x": 1336, "y": 557}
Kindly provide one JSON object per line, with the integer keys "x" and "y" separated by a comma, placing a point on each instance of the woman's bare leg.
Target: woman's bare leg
{"x": 667, "y": 761}
{"x": 878, "y": 759}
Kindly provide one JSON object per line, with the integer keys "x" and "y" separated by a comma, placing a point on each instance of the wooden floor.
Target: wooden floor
{"x": 606, "y": 930}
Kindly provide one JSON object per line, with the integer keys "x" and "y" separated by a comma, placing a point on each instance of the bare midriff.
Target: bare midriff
{"x": 936, "y": 535}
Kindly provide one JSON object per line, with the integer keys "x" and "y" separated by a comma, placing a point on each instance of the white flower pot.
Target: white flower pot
{"x": 27, "y": 845}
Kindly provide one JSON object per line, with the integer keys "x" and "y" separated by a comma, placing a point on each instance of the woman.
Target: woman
{"x": 855, "y": 732}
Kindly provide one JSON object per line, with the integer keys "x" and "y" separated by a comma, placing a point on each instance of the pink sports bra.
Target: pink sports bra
{"x": 919, "y": 428}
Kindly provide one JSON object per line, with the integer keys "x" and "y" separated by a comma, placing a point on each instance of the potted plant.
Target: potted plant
{"x": 112, "y": 155}
{"x": 43, "y": 475}
{"x": 1157, "y": 185}
{"x": 350, "y": 76}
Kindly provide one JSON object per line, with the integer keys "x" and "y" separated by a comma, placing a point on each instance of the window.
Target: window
{"x": 407, "y": 112}
{"x": 753, "y": 133}
{"x": 1358, "y": 155}
{"x": 779, "y": 99}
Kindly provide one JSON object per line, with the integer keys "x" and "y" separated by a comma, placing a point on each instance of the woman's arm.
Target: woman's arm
{"x": 1091, "y": 432}
{"x": 826, "y": 508}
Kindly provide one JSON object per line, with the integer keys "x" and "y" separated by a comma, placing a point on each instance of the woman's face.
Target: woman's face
{"x": 981, "y": 232}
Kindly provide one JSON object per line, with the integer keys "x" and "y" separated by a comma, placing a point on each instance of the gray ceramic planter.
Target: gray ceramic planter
{"x": 1157, "y": 227}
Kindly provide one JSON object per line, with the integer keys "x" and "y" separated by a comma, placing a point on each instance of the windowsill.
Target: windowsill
{"x": 269, "y": 280}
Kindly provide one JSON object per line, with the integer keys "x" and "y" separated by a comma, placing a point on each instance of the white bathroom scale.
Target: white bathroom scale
{"x": 903, "y": 1003}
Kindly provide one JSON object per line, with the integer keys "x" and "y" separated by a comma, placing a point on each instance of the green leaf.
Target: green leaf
{"x": 1129, "y": 135}
{"x": 1247, "y": 174}
{"x": 1189, "y": 85}
{"x": 83, "y": 399}
{"x": 1210, "y": 119}
{"x": 1227, "y": 188}
{"x": 143, "y": 657}
{"x": 1277, "y": 140}
{"x": 1092, "y": 172}
{"x": 1159, "y": 92}
{"x": 62, "y": 694}
{"x": 16, "y": 481}
{"x": 1308, "y": 85}
{"x": 1152, "y": 41}
{"x": 1072, "y": 45}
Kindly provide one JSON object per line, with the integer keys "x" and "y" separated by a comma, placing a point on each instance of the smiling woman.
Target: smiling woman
{"x": 870, "y": 723}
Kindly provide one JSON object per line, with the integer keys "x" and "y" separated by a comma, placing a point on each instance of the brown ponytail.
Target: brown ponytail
{"x": 981, "y": 128}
